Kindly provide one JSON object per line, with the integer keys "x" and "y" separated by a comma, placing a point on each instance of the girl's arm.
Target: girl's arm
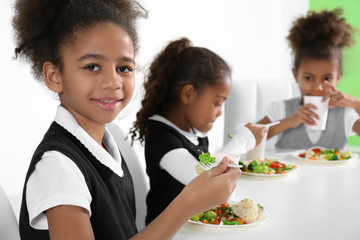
{"x": 277, "y": 111}
{"x": 69, "y": 222}
{"x": 284, "y": 125}
{"x": 180, "y": 164}
{"x": 356, "y": 127}
{"x": 341, "y": 99}
{"x": 73, "y": 223}
{"x": 303, "y": 115}
{"x": 245, "y": 139}
{"x": 196, "y": 197}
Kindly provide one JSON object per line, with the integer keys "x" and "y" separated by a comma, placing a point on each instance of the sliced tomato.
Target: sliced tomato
{"x": 216, "y": 222}
{"x": 302, "y": 155}
{"x": 317, "y": 151}
{"x": 277, "y": 165}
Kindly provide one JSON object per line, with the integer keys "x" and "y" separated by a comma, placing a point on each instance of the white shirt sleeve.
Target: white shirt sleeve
{"x": 242, "y": 141}
{"x": 350, "y": 117}
{"x": 180, "y": 164}
{"x": 56, "y": 181}
{"x": 275, "y": 111}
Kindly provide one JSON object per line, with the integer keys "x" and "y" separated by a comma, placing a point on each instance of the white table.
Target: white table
{"x": 320, "y": 201}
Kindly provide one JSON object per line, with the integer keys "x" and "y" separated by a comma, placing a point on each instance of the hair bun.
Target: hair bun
{"x": 324, "y": 27}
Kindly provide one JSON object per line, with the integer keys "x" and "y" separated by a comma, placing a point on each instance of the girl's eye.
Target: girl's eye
{"x": 124, "y": 69}
{"x": 307, "y": 78}
{"x": 92, "y": 67}
{"x": 217, "y": 104}
{"x": 328, "y": 79}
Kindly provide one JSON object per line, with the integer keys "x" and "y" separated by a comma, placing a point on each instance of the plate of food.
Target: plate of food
{"x": 268, "y": 167}
{"x": 244, "y": 213}
{"x": 325, "y": 155}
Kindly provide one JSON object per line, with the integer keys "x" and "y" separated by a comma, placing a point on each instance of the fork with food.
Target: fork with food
{"x": 208, "y": 162}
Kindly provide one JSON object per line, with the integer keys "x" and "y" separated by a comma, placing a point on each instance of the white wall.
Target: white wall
{"x": 249, "y": 34}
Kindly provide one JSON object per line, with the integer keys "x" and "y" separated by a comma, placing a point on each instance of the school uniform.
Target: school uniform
{"x": 71, "y": 168}
{"x": 171, "y": 157}
{"x": 339, "y": 126}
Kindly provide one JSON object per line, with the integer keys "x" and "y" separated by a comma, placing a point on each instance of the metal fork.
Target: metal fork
{"x": 209, "y": 166}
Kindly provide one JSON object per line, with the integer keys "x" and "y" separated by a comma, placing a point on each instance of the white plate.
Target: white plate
{"x": 296, "y": 153}
{"x": 264, "y": 218}
{"x": 290, "y": 172}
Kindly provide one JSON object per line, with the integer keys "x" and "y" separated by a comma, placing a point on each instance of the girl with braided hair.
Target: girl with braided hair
{"x": 317, "y": 41}
{"x": 78, "y": 185}
{"x": 184, "y": 93}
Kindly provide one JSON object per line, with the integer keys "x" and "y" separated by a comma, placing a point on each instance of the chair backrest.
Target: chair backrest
{"x": 9, "y": 227}
{"x": 136, "y": 163}
{"x": 249, "y": 99}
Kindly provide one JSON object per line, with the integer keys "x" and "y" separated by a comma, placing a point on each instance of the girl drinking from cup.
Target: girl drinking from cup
{"x": 185, "y": 90}
{"x": 78, "y": 186}
{"x": 317, "y": 41}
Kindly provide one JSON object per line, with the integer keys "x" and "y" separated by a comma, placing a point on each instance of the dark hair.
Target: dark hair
{"x": 44, "y": 27}
{"x": 177, "y": 65}
{"x": 320, "y": 35}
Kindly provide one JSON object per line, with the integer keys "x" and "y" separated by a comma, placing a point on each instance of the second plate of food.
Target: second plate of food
{"x": 324, "y": 155}
{"x": 268, "y": 167}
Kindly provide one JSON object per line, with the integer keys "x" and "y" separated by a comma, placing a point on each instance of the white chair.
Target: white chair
{"x": 136, "y": 163}
{"x": 249, "y": 99}
{"x": 9, "y": 227}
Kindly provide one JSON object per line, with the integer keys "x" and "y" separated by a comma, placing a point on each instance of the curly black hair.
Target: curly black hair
{"x": 320, "y": 35}
{"x": 44, "y": 27}
{"x": 177, "y": 65}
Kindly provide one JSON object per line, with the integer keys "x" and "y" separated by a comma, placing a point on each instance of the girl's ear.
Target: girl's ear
{"x": 187, "y": 93}
{"x": 52, "y": 77}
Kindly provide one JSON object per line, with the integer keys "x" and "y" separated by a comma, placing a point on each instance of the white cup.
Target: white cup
{"x": 321, "y": 111}
{"x": 258, "y": 151}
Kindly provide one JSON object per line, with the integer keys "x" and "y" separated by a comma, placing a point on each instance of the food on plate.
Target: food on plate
{"x": 329, "y": 154}
{"x": 238, "y": 213}
{"x": 267, "y": 166}
{"x": 248, "y": 210}
{"x": 204, "y": 158}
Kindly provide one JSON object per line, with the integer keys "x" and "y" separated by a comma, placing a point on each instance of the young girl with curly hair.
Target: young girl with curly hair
{"x": 184, "y": 93}
{"x": 317, "y": 41}
{"x": 78, "y": 185}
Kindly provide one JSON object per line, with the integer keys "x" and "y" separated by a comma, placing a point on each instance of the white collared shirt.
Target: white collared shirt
{"x": 57, "y": 180}
{"x": 181, "y": 164}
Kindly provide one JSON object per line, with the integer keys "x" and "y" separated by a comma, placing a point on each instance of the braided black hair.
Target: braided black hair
{"x": 177, "y": 65}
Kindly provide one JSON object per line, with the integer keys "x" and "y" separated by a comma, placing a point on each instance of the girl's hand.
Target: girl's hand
{"x": 338, "y": 98}
{"x": 211, "y": 188}
{"x": 304, "y": 115}
{"x": 259, "y": 131}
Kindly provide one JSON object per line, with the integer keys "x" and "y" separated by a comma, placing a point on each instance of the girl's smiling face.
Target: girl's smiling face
{"x": 96, "y": 80}
{"x": 206, "y": 106}
{"x": 312, "y": 74}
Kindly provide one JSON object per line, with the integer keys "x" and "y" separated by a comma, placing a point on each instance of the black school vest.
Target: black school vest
{"x": 113, "y": 199}
{"x": 161, "y": 139}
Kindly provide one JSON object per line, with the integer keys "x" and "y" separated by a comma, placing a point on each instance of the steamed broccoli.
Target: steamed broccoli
{"x": 206, "y": 158}
{"x": 252, "y": 164}
{"x": 209, "y": 215}
{"x": 243, "y": 166}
